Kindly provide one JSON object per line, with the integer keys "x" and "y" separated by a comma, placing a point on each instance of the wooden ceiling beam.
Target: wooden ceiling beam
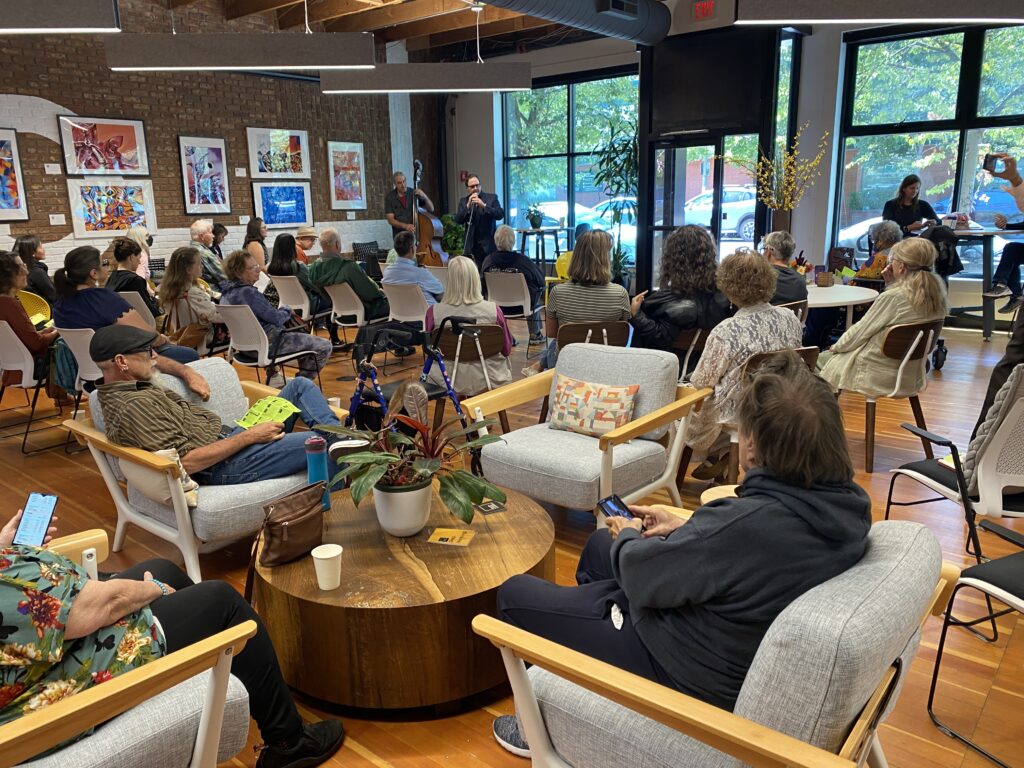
{"x": 466, "y": 19}
{"x": 236, "y": 9}
{"x": 325, "y": 10}
{"x": 503, "y": 27}
{"x": 399, "y": 13}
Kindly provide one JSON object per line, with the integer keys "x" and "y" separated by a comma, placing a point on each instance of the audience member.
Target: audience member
{"x": 667, "y": 598}
{"x": 13, "y": 278}
{"x": 220, "y": 233}
{"x": 907, "y": 209}
{"x": 588, "y": 297}
{"x": 82, "y": 305}
{"x": 127, "y": 255}
{"x": 1006, "y": 280}
{"x": 202, "y": 238}
{"x": 305, "y": 239}
{"x": 464, "y": 298}
{"x": 141, "y": 235}
{"x": 790, "y": 285}
{"x": 255, "y": 241}
{"x": 507, "y": 259}
{"x": 687, "y": 296}
{"x": 916, "y": 295}
{"x": 30, "y": 249}
{"x": 332, "y": 268}
{"x": 240, "y": 288}
{"x": 883, "y": 235}
{"x": 284, "y": 263}
{"x": 182, "y": 298}
{"x": 79, "y": 633}
{"x": 405, "y": 270}
{"x": 748, "y": 281}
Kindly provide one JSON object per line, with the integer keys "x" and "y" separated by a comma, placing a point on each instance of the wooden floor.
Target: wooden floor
{"x": 983, "y": 692}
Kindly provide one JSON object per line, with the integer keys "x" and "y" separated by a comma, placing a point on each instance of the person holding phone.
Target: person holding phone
{"x": 668, "y": 599}
{"x": 1006, "y": 280}
{"x": 63, "y": 633}
{"x": 908, "y": 210}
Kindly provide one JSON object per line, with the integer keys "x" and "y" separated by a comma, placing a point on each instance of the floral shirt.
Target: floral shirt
{"x": 37, "y": 665}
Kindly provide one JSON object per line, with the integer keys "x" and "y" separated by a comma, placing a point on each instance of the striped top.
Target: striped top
{"x": 574, "y": 303}
{"x": 139, "y": 414}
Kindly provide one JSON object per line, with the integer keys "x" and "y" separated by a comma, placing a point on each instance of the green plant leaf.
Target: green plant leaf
{"x": 426, "y": 467}
{"x": 455, "y": 499}
{"x": 372, "y": 457}
{"x": 481, "y": 441}
{"x": 338, "y": 429}
{"x": 399, "y": 438}
{"x": 477, "y": 488}
{"x": 366, "y": 480}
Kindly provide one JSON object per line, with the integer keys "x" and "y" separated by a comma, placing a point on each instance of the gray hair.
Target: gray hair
{"x": 200, "y": 227}
{"x": 884, "y": 234}
{"x": 782, "y": 243}
{"x": 505, "y": 238}
{"x": 330, "y": 240}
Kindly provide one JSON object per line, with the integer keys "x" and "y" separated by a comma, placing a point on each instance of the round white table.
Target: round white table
{"x": 840, "y": 296}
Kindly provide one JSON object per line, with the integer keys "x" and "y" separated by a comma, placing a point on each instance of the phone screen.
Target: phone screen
{"x": 35, "y": 520}
{"x": 613, "y": 506}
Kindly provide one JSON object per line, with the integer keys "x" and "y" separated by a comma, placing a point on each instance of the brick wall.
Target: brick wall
{"x": 45, "y": 76}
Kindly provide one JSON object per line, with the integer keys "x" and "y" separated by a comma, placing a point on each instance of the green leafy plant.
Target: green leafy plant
{"x": 534, "y": 215}
{"x": 454, "y": 237}
{"x": 617, "y": 171}
{"x": 395, "y": 458}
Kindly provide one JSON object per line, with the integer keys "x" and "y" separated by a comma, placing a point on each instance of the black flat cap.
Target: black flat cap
{"x": 119, "y": 340}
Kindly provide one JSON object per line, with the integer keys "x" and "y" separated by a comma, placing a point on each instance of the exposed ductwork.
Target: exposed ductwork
{"x": 649, "y": 26}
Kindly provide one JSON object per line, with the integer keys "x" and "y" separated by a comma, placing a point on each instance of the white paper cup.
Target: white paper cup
{"x": 327, "y": 562}
{"x": 334, "y": 402}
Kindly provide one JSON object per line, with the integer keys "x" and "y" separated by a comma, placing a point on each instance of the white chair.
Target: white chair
{"x": 14, "y": 356}
{"x": 441, "y": 273}
{"x": 406, "y": 302}
{"x": 346, "y": 303}
{"x": 78, "y": 340}
{"x": 249, "y": 339}
{"x": 294, "y": 296}
{"x": 509, "y": 289}
{"x": 133, "y": 298}
{"x": 688, "y": 342}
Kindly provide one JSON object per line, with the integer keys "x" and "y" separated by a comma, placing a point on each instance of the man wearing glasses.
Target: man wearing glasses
{"x": 480, "y": 213}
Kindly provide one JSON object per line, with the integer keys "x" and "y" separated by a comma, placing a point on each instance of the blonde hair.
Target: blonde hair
{"x": 463, "y": 282}
{"x": 139, "y": 235}
{"x": 925, "y": 290}
{"x": 746, "y": 278}
{"x": 590, "y": 264}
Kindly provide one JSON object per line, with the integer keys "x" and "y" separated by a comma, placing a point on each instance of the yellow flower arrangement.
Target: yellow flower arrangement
{"x": 783, "y": 181}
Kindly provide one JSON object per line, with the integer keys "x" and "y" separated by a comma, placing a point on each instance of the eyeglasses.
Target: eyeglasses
{"x": 105, "y": 263}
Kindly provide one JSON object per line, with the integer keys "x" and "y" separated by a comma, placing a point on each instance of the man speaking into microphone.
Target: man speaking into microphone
{"x": 480, "y": 212}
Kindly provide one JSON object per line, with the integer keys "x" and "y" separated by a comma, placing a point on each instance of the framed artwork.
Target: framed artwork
{"x": 204, "y": 174}
{"x": 101, "y": 146}
{"x": 108, "y": 207}
{"x": 283, "y": 205}
{"x": 348, "y": 181}
{"x": 278, "y": 153}
{"x": 13, "y": 203}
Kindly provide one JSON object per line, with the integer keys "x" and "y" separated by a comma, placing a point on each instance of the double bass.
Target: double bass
{"x": 429, "y": 230}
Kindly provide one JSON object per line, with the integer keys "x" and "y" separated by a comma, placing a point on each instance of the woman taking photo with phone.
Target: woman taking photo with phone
{"x": 908, "y": 210}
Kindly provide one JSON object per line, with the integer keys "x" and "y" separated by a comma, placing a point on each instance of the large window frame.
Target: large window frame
{"x": 966, "y": 117}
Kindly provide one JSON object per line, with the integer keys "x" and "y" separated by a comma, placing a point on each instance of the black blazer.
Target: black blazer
{"x": 485, "y": 221}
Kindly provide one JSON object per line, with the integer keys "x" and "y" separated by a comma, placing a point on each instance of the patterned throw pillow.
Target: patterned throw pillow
{"x": 591, "y": 409}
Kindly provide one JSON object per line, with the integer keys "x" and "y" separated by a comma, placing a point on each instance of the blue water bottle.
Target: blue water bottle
{"x": 316, "y": 464}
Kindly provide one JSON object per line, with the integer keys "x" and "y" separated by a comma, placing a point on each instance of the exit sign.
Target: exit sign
{"x": 703, "y": 10}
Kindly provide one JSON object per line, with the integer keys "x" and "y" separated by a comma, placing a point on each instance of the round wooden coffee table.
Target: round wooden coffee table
{"x": 397, "y": 633}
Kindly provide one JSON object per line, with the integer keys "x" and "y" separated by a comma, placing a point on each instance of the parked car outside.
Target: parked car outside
{"x": 738, "y": 202}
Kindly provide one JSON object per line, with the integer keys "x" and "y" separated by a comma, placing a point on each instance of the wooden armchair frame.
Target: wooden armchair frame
{"x": 30, "y": 734}
{"x": 536, "y": 387}
{"x": 744, "y": 739}
{"x": 181, "y": 534}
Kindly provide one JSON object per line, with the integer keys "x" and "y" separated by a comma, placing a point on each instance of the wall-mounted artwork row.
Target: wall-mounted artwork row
{"x": 282, "y": 205}
{"x": 103, "y": 208}
{"x": 204, "y": 175}
{"x": 100, "y": 146}
{"x": 13, "y": 203}
{"x": 278, "y": 153}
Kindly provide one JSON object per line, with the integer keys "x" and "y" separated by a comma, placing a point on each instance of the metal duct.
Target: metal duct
{"x": 650, "y": 26}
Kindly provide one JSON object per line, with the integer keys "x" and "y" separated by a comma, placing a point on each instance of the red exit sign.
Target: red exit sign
{"x": 703, "y": 10}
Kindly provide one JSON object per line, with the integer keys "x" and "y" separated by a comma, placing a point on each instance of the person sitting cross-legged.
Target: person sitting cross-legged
{"x": 671, "y": 600}
{"x": 141, "y": 414}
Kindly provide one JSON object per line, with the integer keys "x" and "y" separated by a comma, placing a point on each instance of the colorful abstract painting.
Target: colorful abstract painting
{"x": 283, "y": 205}
{"x": 348, "y": 181}
{"x": 278, "y": 153}
{"x": 103, "y": 146}
{"x": 204, "y": 175}
{"x": 13, "y": 203}
{"x": 109, "y": 207}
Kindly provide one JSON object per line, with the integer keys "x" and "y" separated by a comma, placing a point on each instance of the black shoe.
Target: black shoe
{"x": 316, "y": 744}
{"x": 400, "y": 351}
{"x": 506, "y": 732}
{"x": 1011, "y": 306}
{"x": 341, "y": 346}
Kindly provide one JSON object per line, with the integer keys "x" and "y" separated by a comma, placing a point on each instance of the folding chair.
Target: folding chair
{"x": 249, "y": 339}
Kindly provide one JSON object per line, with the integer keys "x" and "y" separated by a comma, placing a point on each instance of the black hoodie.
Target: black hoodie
{"x": 702, "y": 598}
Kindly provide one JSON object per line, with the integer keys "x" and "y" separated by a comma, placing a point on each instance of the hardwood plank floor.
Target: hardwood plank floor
{"x": 982, "y": 686}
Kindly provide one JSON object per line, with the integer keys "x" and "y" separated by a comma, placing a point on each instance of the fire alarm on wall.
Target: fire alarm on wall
{"x": 463, "y": 176}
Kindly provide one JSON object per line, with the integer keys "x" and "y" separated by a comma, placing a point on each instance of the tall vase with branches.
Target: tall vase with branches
{"x": 617, "y": 171}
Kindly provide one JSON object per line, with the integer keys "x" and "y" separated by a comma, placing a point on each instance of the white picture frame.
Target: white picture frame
{"x": 283, "y": 204}
{"x": 346, "y": 165}
{"x": 204, "y": 175}
{"x": 107, "y": 207}
{"x": 103, "y": 146}
{"x": 13, "y": 199}
{"x": 278, "y": 153}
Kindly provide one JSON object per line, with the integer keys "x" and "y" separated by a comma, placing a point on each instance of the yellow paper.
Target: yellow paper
{"x": 947, "y": 461}
{"x": 847, "y": 272}
{"x": 37, "y": 318}
{"x": 268, "y": 409}
{"x": 456, "y": 537}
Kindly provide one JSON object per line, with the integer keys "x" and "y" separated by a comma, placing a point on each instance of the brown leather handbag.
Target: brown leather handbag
{"x": 293, "y": 527}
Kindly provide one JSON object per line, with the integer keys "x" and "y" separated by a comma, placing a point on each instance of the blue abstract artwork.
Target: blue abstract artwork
{"x": 283, "y": 205}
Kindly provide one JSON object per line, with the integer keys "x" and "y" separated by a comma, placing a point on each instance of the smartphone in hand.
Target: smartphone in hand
{"x": 993, "y": 164}
{"x": 613, "y": 506}
{"x": 35, "y": 519}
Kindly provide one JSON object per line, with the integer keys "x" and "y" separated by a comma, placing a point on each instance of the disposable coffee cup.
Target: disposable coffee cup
{"x": 334, "y": 402}
{"x": 327, "y": 563}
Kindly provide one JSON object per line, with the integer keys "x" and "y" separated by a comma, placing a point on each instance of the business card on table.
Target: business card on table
{"x": 455, "y": 537}
{"x": 489, "y": 507}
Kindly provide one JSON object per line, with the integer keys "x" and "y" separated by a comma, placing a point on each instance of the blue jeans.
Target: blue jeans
{"x": 1008, "y": 271}
{"x": 283, "y": 457}
{"x": 178, "y": 354}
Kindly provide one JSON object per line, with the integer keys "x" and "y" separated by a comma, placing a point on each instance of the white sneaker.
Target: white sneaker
{"x": 506, "y": 732}
{"x": 276, "y": 381}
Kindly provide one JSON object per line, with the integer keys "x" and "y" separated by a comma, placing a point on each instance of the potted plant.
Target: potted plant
{"x": 400, "y": 465}
{"x": 534, "y": 215}
{"x": 453, "y": 239}
{"x": 617, "y": 170}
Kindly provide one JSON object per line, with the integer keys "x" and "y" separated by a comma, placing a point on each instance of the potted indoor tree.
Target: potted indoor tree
{"x": 453, "y": 237}
{"x": 399, "y": 465}
{"x": 617, "y": 171}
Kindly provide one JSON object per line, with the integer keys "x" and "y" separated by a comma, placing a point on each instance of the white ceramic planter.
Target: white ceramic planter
{"x": 403, "y": 511}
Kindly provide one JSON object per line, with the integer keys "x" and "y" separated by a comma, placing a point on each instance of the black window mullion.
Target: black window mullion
{"x": 570, "y": 175}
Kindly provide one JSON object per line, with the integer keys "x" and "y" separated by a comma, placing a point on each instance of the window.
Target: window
{"x": 1002, "y": 92}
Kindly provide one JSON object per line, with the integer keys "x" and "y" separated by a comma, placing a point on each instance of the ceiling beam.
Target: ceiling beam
{"x": 325, "y": 10}
{"x": 465, "y": 19}
{"x": 466, "y": 34}
{"x": 236, "y": 9}
{"x": 400, "y": 13}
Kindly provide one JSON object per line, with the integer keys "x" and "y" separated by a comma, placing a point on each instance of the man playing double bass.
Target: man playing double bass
{"x": 399, "y": 205}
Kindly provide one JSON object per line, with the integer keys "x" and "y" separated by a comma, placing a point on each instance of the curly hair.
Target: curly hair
{"x": 688, "y": 262}
{"x": 746, "y": 278}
